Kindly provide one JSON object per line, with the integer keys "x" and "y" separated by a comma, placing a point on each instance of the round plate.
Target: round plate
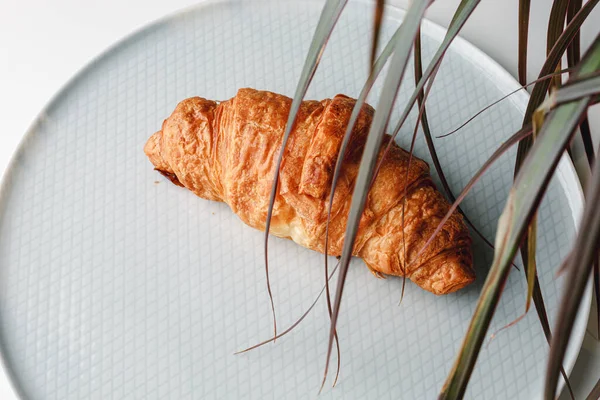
{"x": 117, "y": 284}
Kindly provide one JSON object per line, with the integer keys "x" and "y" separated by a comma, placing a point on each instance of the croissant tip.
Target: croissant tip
{"x": 454, "y": 271}
{"x": 151, "y": 147}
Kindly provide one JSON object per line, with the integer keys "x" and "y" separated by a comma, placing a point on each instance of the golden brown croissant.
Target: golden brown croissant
{"x": 228, "y": 151}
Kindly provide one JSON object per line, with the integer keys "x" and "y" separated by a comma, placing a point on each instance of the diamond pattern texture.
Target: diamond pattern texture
{"x": 116, "y": 284}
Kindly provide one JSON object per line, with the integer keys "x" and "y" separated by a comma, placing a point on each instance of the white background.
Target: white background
{"x": 43, "y": 43}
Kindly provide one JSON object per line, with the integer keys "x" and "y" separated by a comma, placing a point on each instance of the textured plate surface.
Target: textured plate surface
{"x": 117, "y": 284}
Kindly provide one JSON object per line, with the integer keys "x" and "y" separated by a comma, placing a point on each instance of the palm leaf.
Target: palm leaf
{"x": 524, "y": 198}
{"x": 539, "y": 90}
{"x": 329, "y": 16}
{"x": 579, "y": 267}
{"x": 529, "y": 243}
{"x": 402, "y": 49}
{"x": 585, "y": 250}
{"x": 512, "y": 225}
{"x": 533, "y": 287}
{"x": 534, "y": 290}
{"x": 558, "y": 39}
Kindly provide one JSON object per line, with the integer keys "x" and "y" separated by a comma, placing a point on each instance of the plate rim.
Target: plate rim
{"x": 565, "y": 172}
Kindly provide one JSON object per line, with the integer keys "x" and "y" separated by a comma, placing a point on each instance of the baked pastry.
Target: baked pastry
{"x": 227, "y": 151}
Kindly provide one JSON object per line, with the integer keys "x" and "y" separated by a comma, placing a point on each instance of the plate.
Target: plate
{"x": 117, "y": 284}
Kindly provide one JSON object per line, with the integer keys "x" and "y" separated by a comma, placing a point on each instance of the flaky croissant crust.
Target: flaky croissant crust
{"x": 227, "y": 152}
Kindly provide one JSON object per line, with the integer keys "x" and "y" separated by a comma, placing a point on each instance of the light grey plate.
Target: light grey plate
{"x": 117, "y": 284}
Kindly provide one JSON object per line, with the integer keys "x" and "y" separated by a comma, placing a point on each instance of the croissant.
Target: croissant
{"x": 227, "y": 151}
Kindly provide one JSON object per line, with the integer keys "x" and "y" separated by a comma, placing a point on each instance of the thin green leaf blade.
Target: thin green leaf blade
{"x": 534, "y": 292}
{"x": 375, "y": 71}
{"x": 399, "y": 60}
{"x": 597, "y": 294}
{"x": 360, "y": 101}
{"x": 464, "y": 10}
{"x": 526, "y": 193}
{"x": 540, "y": 308}
{"x": 573, "y": 58}
{"x": 523, "y": 199}
{"x": 329, "y": 16}
{"x": 581, "y": 88}
{"x": 579, "y": 268}
{"x": 595, "y": 393}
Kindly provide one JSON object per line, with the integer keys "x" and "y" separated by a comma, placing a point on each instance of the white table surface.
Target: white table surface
{"x": 43, "y": 43}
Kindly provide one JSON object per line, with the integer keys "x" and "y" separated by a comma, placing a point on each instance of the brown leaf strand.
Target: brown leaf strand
{"x": 524, "y": 6}
{"x": 377, "y": 22}
{"x": 478, "y": 113}
{"x": 556, "y": 24}
{"x": 295, "y": 324}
